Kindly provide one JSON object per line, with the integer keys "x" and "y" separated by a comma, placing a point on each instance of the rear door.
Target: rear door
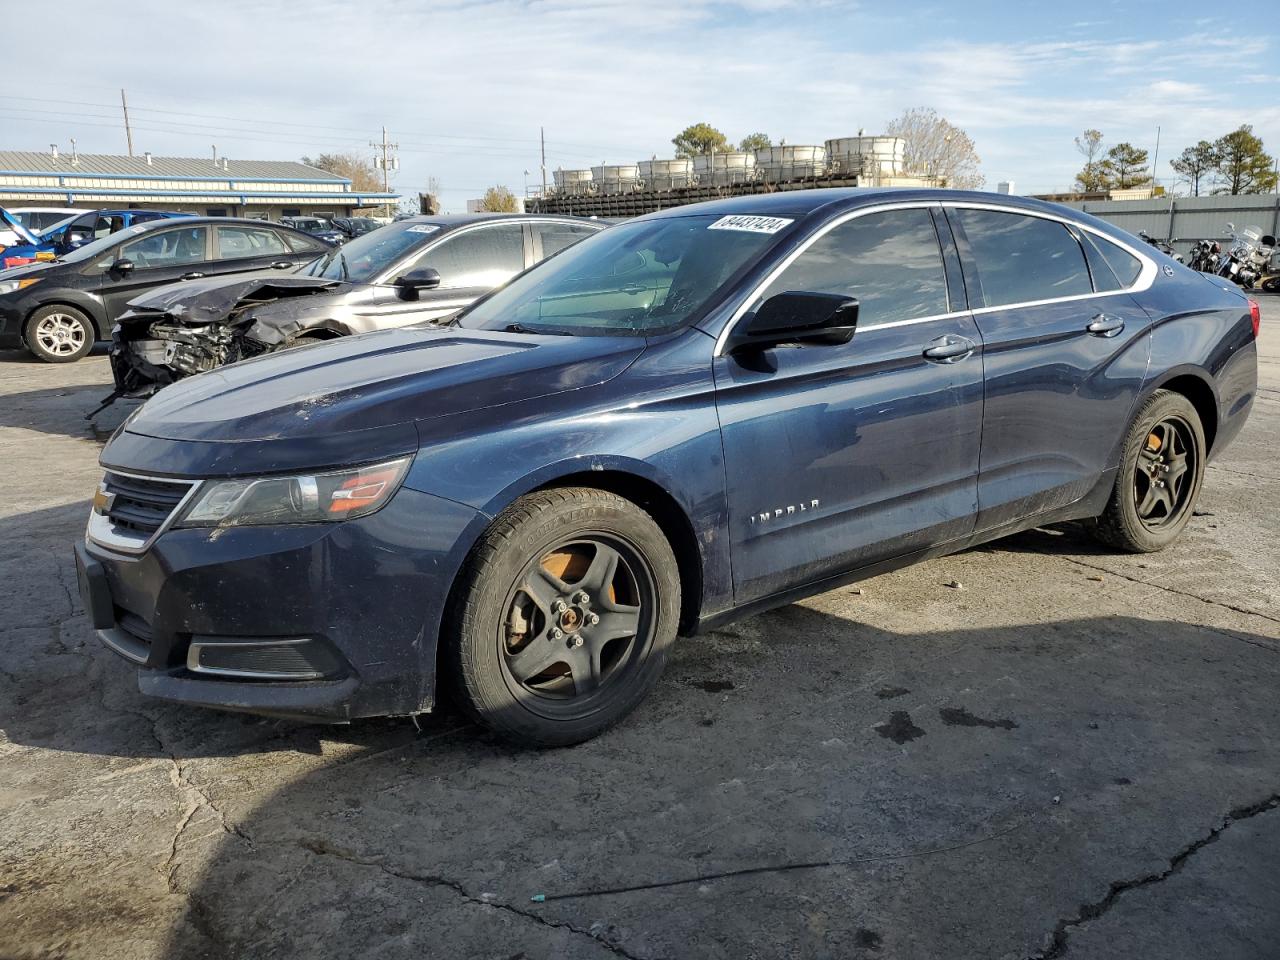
{"x": 241, "y": 249}
{"x": 1065, "y": 359}
{"x": 839, "y": 456}
{"x": 159, "y": 256}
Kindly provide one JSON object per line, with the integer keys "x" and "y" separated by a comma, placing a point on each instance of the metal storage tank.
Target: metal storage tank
{"x": 573, "y": 182}
{"x": 616, "y": 177}
{"x": 779, "y": 164}
{"x": 666, "y": 174}
{"x": 721, "y": 169}
{"x": 868, "y": 156}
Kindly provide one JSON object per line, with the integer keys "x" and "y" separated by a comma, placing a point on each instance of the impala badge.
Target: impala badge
{"x": 786, "y": 511}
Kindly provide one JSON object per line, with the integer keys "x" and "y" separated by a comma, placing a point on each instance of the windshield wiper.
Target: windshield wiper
{"x": 521, "y": 328}
{"x": 342, "y": 259}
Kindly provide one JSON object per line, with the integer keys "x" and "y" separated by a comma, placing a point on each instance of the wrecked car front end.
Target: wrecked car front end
{"x": 179, "y": 331}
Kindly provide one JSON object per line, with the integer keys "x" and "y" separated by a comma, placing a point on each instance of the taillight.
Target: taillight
{"x": 1255, "y": 314}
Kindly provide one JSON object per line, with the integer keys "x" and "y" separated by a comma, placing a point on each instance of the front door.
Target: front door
{"x": 1064, "y": 361}
{"x": 158, "y": 256}
{"x": 837, "y": 457}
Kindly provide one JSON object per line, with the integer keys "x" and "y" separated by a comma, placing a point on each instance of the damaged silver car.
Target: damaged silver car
{"x": 415, "y": 270}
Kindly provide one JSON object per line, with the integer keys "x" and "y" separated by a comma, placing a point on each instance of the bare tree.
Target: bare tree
{"x": 1089, "y": 144}
{"x": 935, "y": 147}
{"x": 361, "y": 172}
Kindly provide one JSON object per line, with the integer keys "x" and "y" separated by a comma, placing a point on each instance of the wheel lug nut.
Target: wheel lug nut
{"x": 593, "y": 618}
{"x": 561, "y": 606}
{"x": 575, "y": 641}
{"x": 556, "y": 633}
{"x": 582, "y": 597}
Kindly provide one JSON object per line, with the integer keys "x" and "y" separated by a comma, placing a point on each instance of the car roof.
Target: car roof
{"x": 802, "y": 203}
{"x": 195, "y": 221}
{"x": 452, "y": 220}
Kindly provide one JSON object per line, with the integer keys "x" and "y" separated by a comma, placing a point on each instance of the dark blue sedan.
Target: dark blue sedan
{"x": 693, "y": 416}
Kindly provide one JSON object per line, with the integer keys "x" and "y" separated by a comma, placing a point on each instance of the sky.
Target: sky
{"x": 464, "y": 87}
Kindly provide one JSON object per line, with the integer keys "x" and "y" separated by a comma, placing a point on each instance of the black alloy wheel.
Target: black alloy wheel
{"x": 1163, "y": 481}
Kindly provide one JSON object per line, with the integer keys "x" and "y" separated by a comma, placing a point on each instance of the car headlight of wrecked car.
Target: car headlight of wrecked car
{"x": 13, "y": 286}
{"x": 307, "y": 498}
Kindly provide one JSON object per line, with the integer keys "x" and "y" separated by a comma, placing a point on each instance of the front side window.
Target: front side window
{"x": 635, "y": 279}
{"x": 236, "y": 242}
{"x": 165, "y": 248}
{"x": 1022, "y": 259}
{"x": 482, "y": 257}
{"x": 890, "y": 262}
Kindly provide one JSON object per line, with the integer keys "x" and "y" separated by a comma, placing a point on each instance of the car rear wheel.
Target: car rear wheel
{"x": 58, "y": 334}
{"x": 564, "y": 616}
{"x": 1160, "y": 476}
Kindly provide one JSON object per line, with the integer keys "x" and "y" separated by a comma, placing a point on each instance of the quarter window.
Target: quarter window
{"x": 1123, "y": 264}
{"x": 484, "y": 257}
{"x": 890, "y": 261}
{"x": 1021, "y": 259}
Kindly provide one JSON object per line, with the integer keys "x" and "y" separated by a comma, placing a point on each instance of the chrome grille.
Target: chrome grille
{"x": 141, "y": 505}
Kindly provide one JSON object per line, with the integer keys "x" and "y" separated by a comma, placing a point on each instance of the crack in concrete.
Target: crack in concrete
{"x": 323, "y": 848}
{"x": 1173, "y": 590}
{"x": 1088, "y": 912}
{"x": 1241, "y": 473}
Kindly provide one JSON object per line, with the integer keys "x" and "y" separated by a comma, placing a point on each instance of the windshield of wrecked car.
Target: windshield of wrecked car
{"x": 635, "y": 279}
{"x": 370, "y": 254}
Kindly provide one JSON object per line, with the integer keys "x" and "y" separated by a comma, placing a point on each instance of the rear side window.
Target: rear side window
{"x": 1021, "y": 259}
{"x": 1123, "y": 264}
{"x": 300, "y": 244}
{"x": 890, "y": 261}
{"x": 556, "y": 236}
{"x": 484, "y": 257}
{"x": 236, "y": 242}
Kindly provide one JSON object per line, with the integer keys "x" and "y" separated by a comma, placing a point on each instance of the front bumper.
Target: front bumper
{"x": 10, "y": 326}
{"x": 355, "y": 607}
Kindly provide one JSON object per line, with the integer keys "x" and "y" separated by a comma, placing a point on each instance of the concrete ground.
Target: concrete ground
{"x": 1072, "y": 755}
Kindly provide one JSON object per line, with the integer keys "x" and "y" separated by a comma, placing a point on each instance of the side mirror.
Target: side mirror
{"x": 796, "y": 317}
{"x": 122, "y": 267}
{"x": 410, "y": 284}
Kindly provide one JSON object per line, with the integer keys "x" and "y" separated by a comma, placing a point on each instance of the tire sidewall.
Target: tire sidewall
{"x": 553, "y": 524}
{"x": 32, "y": 344}
{"x": 1161, "y": 406}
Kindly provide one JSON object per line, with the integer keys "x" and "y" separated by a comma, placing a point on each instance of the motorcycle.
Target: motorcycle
{"x": 1161, "y": 245}
{"x": 1248, "y": 256}
{"x": 1205, "y": 255}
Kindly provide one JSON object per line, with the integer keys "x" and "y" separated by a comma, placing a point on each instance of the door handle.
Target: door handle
{"x": 633, "y": 288}
{"x": 1105, "y": 326}
{"x": 193, "y": 275}
{"x": 282, "y": 265}
{"x": 948, "y": 349}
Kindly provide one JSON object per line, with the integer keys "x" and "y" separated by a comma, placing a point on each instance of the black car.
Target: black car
{"x": 58, "y": 308}
{"x": 356, "y": 226}
{"x": 317, "y": 227}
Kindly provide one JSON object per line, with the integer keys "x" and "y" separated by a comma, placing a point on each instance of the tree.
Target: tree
{"x": 499, "y": 200}
{"x": 364, "y": 176}
{"x": 700, "y": 138}
{"x": 1094, "y": 177}
{"x": 1089, "y": 144}
{"x": 1242, "y": 163}
{"x": 1126, "y": 166}
{"x": 937, "y": 148}
{"x": 1196, "y": 165}
{"x": 755, "y": 141}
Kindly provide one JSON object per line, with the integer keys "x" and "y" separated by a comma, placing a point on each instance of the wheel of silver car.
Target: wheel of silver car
{"x": 569, "y": 606}
{"x": 1159, "y": 478}
{"x": 58, "y": 334}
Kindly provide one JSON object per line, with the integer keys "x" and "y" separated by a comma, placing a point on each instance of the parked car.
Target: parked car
{"x": 354, "y": 227}
{"x": 692, "y": 416}
{"x": 58, "y": 308}
{"x": 317, "y": 227}
{"x": 35, "y": 219}
{"x": 408, "y": 272}
{"x": 67, "y": 235}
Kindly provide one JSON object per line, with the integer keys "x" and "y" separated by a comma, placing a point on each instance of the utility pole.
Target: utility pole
{"x": 128, "y": 133}
{"x": 1155, "y": 159}
{"x": 542, "y": 135}
{"x": 387, "y": 162}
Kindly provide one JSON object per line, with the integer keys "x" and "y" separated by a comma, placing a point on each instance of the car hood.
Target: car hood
{"x": 8, "y": 221}
{"x": 352, "y": 399}
{"x": 28, "y": 269}
{"x": 211, "y": 300}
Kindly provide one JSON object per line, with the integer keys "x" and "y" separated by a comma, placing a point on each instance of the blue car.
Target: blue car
{"x": 685, "y": 419}
{"x": 64, "y": 237}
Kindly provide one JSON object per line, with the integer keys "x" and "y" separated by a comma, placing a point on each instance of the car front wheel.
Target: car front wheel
{"x": 565, "y": 615}
{"x": 58, "y": 334}
{"x": 1161, "y": 471}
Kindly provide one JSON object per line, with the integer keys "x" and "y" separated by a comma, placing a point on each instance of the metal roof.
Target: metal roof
{"x": 103, "y": 164}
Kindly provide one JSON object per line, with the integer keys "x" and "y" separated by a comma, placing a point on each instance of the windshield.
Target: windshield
{"x": 312, "y": 226}
{"x": 635, "y": 279}
{"x": 102, "y": 244}
{"x": 372, "y": 253}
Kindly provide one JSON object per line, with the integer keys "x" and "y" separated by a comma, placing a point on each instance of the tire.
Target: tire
{"x": 58, "y": 334}
{"x": 511, "y": 659}
{"x": 1153, "y": 500}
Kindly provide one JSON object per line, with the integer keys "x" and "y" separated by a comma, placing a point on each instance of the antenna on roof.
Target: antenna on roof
{"x": 53, "y": 149}
{"x": 75, "y": 157}
{"x": 226, "y": 164}
{"x": 215, "y": 154}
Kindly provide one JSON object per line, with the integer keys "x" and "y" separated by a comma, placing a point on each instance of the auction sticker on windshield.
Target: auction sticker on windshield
{"x": 423, "y": 228}
{"x": 751, "y": 224}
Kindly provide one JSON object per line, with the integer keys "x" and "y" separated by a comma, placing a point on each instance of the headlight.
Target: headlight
{"x": 310, "y": 498}
{"x": 13, "y": 286}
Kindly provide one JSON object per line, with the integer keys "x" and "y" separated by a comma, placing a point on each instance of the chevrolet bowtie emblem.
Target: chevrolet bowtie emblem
{"x": 103, "y": 501}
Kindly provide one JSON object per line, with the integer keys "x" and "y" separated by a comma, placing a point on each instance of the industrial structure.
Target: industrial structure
{"x": 630, "y": 189}
{"x": 213, "y": 186}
